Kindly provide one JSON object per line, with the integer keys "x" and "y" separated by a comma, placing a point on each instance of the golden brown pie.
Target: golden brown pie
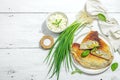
{"x": 100, "y": 58}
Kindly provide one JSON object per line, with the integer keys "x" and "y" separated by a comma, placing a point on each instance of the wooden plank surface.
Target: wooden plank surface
{"x": 22, "y": 24}
{"x": 52, "y": 5}
{"x": 27, "y": 64}
{"x": 26, "y": 30}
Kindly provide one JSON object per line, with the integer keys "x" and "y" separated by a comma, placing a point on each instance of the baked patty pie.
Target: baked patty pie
{"x": 100, "y": 55}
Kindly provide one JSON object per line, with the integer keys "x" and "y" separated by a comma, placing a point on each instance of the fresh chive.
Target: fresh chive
{"x": 62, "y": 51}
{"x": 57, "y": 22}
{"x": 94, "y": 49}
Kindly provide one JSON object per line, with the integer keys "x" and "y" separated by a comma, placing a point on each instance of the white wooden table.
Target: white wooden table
{"x": 22, "y": 25}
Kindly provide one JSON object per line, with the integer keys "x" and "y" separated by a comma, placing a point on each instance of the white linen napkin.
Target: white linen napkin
{"x": 110, "y": 28}
{"x": 94, "y": 7}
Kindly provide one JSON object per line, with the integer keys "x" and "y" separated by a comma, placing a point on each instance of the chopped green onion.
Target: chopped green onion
{"x": 94, "y": 49}
{"x": 57, "y": 22}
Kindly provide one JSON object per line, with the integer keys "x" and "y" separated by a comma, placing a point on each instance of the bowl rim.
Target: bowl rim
{"x": 57, "y": 12}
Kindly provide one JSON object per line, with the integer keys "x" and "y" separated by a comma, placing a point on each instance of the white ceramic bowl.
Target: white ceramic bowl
{"x": 59, "y": 16}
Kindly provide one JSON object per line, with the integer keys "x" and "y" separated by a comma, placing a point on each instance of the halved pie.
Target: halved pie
{"x": 99, "y": 58}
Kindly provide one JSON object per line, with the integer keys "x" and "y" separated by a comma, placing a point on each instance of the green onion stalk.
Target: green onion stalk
{"x": 60, "y": 51}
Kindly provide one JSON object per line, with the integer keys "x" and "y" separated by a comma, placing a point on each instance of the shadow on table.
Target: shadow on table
{"x": 46, "y": 31}
{"x": 94, "y": 74}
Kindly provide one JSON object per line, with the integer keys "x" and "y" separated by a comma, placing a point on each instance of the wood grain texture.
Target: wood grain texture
{"x": 52, "y": 5}
{"x": 27, "y": 64}
{"x": 26, "y": 30}
{"x": 22, "y": 24}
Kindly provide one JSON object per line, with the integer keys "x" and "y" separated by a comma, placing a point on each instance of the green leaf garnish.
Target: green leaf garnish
{"x": 101, "y": 17}
{"x": 114, "y": 66}
{"x": 57, "y": 22}
{"x": 85, "y": 53}
{"x": 77, "y": 71}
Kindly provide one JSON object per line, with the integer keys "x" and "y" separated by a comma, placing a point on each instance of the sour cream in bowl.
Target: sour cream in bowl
{"x": 57, "y": 22}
